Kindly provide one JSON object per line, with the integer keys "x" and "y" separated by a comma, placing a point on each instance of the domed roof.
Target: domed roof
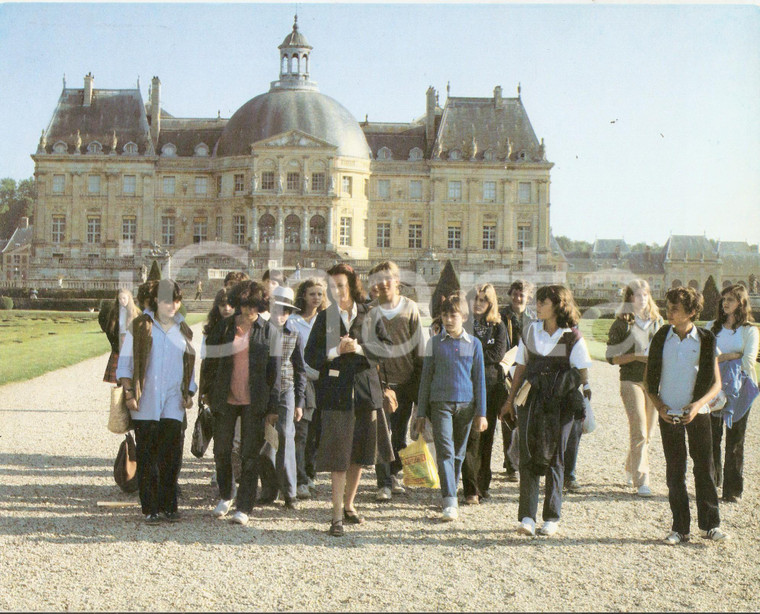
{"x": 282, "y": 110}
{"x": 295, "y": 38}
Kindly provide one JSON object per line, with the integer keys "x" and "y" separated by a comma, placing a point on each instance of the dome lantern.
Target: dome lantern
{"x": 294, "y": 60}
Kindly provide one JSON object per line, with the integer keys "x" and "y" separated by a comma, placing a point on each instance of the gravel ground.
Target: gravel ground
{"x": 62, "y": 552}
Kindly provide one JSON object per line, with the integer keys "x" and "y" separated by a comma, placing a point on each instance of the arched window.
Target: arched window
{"x": 415, "y": 153}
{"x": 455, "y": 154}
{"x": 296, "y": 64}
{"x": 284, "y": 67}
{"x": 676, "y": 283}
{"x": 693, "y": 283}
{"x": 201, "y": 150}
{"x": 727, "y": 283}
{"x": 94, "y": 148}
{"x": 384, "y": 154}
{"x": 306, "y": 64}
{"x": 488, "y": 154}
{"x": 130, "y": 149}
{"x": 317, "y": 230}
{"x": 292, "y": 232}
{"x": 266, "y": 228}
{"x": 60, "y": 148}
{"x": 169, "y": 150}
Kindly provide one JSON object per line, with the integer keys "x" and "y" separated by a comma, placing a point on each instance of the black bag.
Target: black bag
{"x": 125, "y": 465}
{"x": 203, "y": 431}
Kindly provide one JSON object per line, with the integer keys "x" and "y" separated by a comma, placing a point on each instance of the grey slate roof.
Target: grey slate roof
{"x": 491, "y": 126}
{"x": 186, "y": 134}
{"x": 607, "y": 247}
{"x": 119, "y": 110}
{"x": 399, "y": 138}
{"x": 19, "y": 238}
{"x": 647, "y": 263}
{"x": 689, "y": 247}
{"x": 736, "y": 247}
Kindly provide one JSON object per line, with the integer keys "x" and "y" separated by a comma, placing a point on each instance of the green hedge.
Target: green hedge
{"x": 56, "y": 304}
{"x": 6, "y": 303}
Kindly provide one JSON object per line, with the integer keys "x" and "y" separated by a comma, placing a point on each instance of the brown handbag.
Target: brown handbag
{"x": 390, "y": 402}
{"x": 125, "y": 465}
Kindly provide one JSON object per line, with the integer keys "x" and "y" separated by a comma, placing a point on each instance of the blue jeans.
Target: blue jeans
{"x": 285, "y": 464}
{"x": 451, "y": 429}
{"x": 554, "y": 477}
{"x": 399, "y": 423}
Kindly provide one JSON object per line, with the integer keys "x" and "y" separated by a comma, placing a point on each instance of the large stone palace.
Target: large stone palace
{"x": 292, "y": 177}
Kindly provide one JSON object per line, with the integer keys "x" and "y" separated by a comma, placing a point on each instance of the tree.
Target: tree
{"x": 155, "y": 272}
{"x": 16, "y": 201}
{"x": 448, "y": 282}
{"x": 569, "y": 246}
{"x": 711, "y": 296}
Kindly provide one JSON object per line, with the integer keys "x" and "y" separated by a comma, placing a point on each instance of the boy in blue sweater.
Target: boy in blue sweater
{"x": 452, "y": 395}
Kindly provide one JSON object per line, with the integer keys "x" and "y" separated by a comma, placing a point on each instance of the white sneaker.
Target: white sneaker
{"x": 397, "y": 486}
{"x": 676, "y": 538}
{"x": 222, "y": 508}
{"x": 240, "y": 518}
{"x": 715, "y": 535}
{"x": 549, "y": 528}
{"x": 644, "y": 491}
{"x": 450, "y": 513}
{"x": 303, "y": 492}
{"x": 527, "y": 527}
{"x": 383, "y": 494}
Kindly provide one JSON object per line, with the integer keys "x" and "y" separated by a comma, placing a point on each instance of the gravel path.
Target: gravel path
{"x": 62, "y": 552}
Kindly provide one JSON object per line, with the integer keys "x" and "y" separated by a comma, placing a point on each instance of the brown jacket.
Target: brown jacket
{"x": 142, "y": 332}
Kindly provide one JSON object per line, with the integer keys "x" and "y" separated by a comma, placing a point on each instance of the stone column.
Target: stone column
{"x": 280, "y": 229}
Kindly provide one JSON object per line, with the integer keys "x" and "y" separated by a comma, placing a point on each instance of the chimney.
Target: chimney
{"x": 430, "y": 118}
{"x": 155, "y": 109}
{"x": 88, "y": 83}
{"x": 497, "y": 100}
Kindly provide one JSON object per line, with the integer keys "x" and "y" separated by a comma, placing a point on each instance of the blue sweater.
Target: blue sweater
{"x": 453, "y": 371}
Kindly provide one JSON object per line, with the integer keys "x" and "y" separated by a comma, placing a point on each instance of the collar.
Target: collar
{"x": 177, "y": 317}
{"x": 692, "y": 333}
{"x": 351, "y": 314}
{"x": 464, "y": 336}
{"x": 556, "y": 334}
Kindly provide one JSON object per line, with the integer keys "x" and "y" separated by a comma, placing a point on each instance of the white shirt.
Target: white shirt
{"x": 348, "y": 318}
{"x": 545, "y": 344}
{"x": 304, "y": 327}
{"x": 389, "y": 314}
{"x": 680, "y": 363}
{"x": 744, "y": 340}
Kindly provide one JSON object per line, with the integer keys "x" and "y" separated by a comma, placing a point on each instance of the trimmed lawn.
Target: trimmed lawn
{"x": 36, "y": 342}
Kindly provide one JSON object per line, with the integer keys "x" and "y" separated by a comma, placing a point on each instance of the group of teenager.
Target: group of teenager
{"x": 296, "y": 382}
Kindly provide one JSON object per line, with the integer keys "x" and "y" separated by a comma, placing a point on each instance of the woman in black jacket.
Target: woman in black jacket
{"x": 487, "y": 326}
{"x": 353, "y": 433}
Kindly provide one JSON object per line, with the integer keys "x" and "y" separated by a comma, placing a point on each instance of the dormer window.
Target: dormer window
{"x": 169, "y": 150}
{"x": 415, "y": 153}
{"x": 60, "y": 148}
{"x": 201, "y": 150}
{"x": 488, "y": 154}
{"x": 384, "y": 154}
{"x": 130, "y": 149}
{"x": 94, "y": 148}
{"x": 455, "y": 154}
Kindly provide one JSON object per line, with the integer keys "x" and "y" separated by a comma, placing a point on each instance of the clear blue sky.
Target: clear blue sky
{"x": 681, "y": 83}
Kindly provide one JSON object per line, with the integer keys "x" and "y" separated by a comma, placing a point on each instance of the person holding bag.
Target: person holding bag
{"x": 636, "y": 322}
{"x": 115, "y": 322}
{"x": 156, "y": 371}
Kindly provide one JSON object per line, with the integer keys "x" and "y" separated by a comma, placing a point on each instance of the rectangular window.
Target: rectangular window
{"x": 415, "y": 236}
{"x": 455, "y": 237}
{"x": 267, "y": 180}
{"x": 293, "y": 181}
{"x": 239, "y": 229}
{"x": 219, "y": 185}
{"x": 366, "y": 188}
{"x": 239, "y": 183}
{"x": 384, "y": 188}
{"x": 93, "y": 184}
{"x": 219, "y": 225}
{"x": 201, "y": 185}
{"x": 317, "y": 182}
{"x": 200, "y": 229}
{"x": 455, "y": 190}
{"x": 489, "y": 191}
{"x": 169, "y": 185}
{"x": 415, "y": 189}
{"x": 523, "y": 192}
{"x": 168, "y": 234}
{"x": 523, "y": 237}
{"x": 347, "y": 185}
{"x": 128, "y": 229}
{"x": 345, "y": 230}
{"x": 93, "y": 229}
{"x": 130, "y": 185}
{"x": 59, "y": 183}
{"x": 489, "y": 236}
{"x": 59, "y": 228}
{"x": 383, "y": 234}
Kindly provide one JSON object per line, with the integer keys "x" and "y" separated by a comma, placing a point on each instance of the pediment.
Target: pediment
{"x": 293, "y": 138}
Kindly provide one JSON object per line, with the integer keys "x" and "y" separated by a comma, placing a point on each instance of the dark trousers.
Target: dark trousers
{"x": 306, "y": 451}
{"x": 554, "y": 476}
{"x": 476, "y": 469}
{"x": 571, "y": 452}
{"x": 730, "y": 474}
{"x": 159, "y": 458}
{"x": 674, "y": 446}
{"x": 398, "y": 421}
{"x": 251, "y": 441}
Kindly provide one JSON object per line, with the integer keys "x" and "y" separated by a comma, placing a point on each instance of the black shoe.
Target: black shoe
{"x": 152, "y": 519}
{"x": 351, "y": 517}
{"x": 572, "y": 486}
{"x": 336, "y": 528}
{"x": 267, "y": 498}
{"x": 511, "y": 476}
{"x": 732, "y": 498}
{"x": 173, "y": 516}
{"x": 485, "y": 495}
{"x": 290, "y": 504}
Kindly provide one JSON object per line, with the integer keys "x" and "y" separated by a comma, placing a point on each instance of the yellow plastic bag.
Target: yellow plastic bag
{"x": 419, "y": 466}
